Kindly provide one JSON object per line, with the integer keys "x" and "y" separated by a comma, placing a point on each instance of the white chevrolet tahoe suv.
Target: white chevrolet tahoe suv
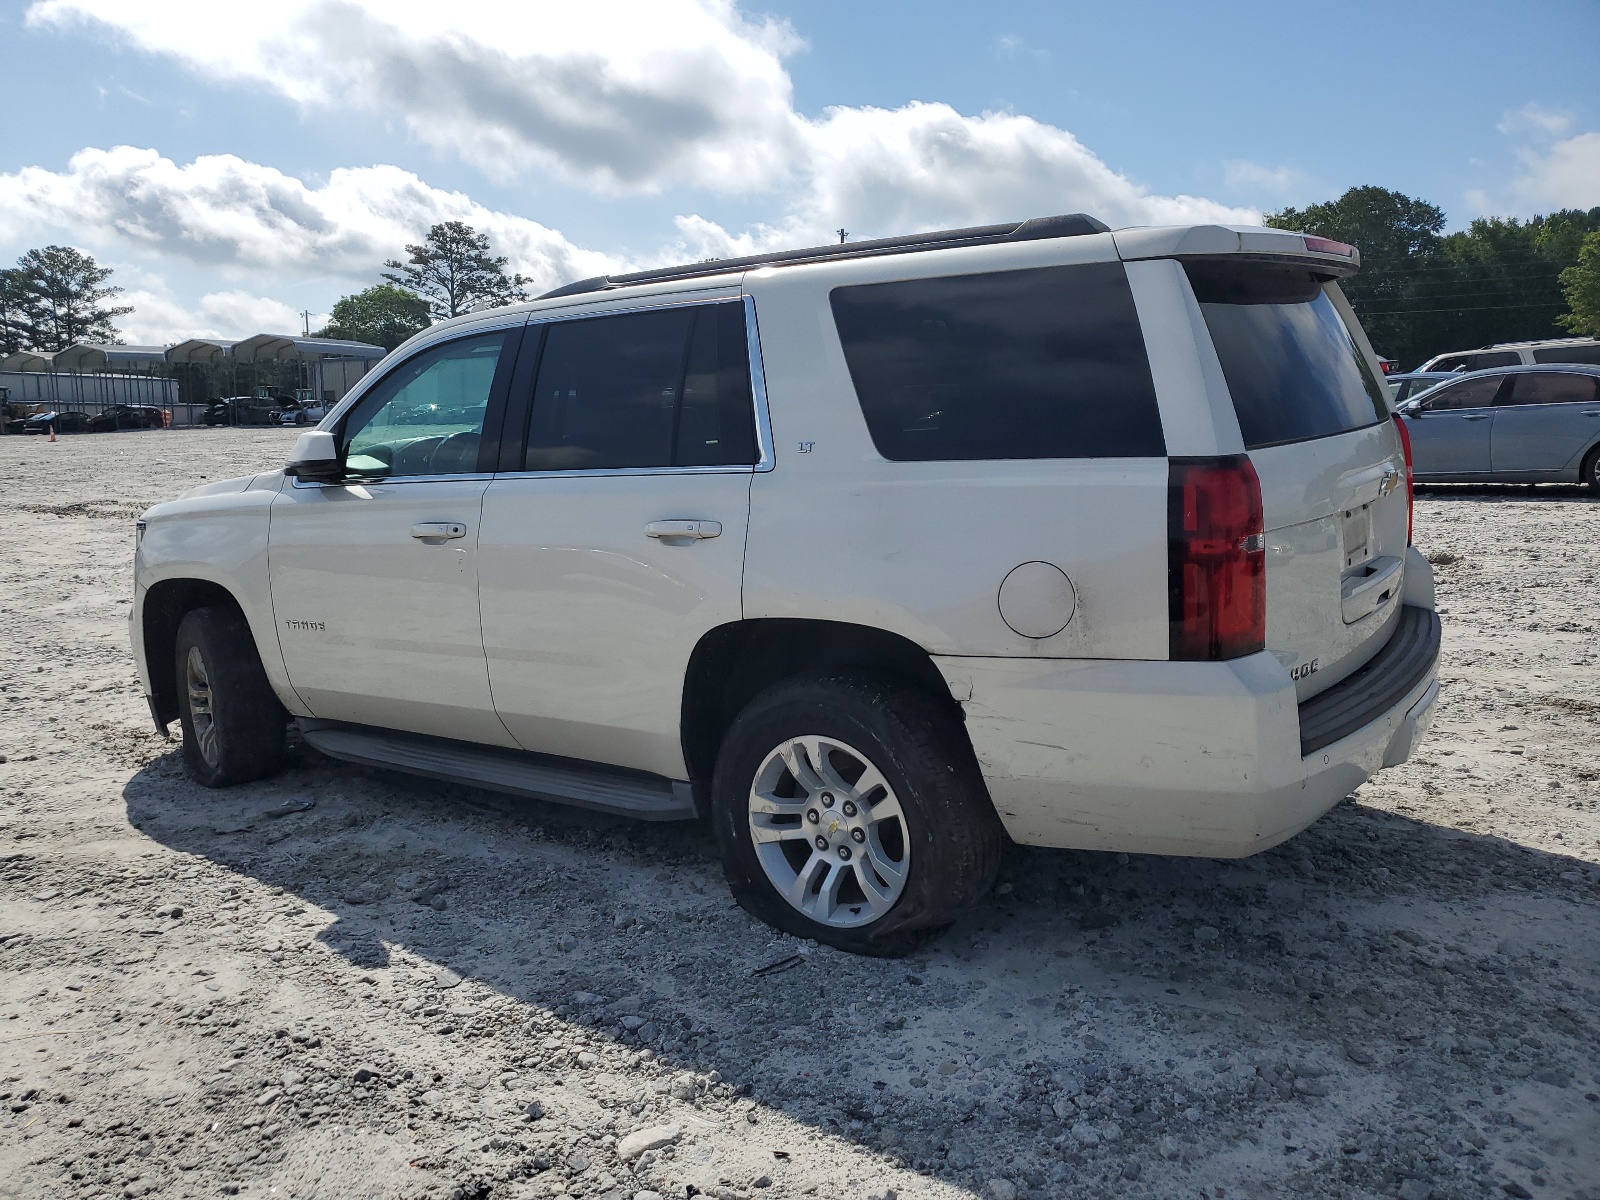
{"x": 874, "y": 555}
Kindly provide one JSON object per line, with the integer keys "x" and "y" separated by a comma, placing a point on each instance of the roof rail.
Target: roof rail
{"x": 1069, "y": 225}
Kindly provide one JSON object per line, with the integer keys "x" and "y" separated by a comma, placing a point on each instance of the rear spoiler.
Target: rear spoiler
{"x": 1321, "y": 254}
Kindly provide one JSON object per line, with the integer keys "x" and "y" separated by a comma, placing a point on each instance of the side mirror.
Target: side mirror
{"x": 315, "y": 458}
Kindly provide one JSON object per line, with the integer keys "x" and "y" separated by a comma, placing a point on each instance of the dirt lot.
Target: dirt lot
{"x": 409, "y": 990}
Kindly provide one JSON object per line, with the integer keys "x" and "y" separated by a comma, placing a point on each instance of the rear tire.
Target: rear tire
{"x": 233, "y": 724}
{"x": 1591, "y": 470}
{"x": 850, "y": 810}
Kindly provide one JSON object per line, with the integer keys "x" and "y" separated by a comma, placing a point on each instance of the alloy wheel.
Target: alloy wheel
{"x": 829, "y": 831}
{"x": 200, "y": 713}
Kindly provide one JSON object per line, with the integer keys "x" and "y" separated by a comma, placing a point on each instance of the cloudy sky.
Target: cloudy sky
{"x": 238, "y": 164}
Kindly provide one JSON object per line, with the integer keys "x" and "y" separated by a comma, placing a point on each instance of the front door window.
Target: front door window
{"x": 426, "y": 417}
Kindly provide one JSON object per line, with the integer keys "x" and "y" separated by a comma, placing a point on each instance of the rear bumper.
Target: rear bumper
{"x": 1173, "y": 757}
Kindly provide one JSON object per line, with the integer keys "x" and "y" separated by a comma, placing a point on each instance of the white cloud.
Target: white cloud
{"x": 1565, "y": 174}
{"x": 1241, "y": 175}
{"x": 159, "y": 319}
{"x": 614, "y": 94}
{"x": 622, "y": 95}
{"x": 1535, "y": 119}
{"x": 237, "y": 216}
{"x": 1556, "y": 168}
{"x": 878, "y": 171}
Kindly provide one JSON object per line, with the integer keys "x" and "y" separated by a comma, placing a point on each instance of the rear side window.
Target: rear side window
{"x": 1291, "y": 365}
{"x": 1568, "y": 354}
{"x": 1553, "y": 387}
{"x": 666, "y": 388}
{"x": 1043, "y": 363}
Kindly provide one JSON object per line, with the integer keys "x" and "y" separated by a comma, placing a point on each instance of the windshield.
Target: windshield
{"x": 1292, "y": 367}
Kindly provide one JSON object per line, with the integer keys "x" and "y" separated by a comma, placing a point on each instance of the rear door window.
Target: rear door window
{"x": 1551, "y": 387}
{"x": 1042, "y": 363}
{"x": 664, "y": 388}
{"x": 1292, "y": 367}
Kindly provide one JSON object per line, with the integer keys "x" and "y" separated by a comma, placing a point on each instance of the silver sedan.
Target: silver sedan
{"x": 1536, "y": 424}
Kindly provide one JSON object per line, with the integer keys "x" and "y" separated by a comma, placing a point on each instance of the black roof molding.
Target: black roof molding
{"x": 1035, "y": 229}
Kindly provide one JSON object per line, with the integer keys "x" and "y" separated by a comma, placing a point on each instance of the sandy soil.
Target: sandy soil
{"x": 365, "y": 998}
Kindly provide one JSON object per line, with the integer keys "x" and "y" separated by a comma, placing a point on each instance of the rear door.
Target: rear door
{"x": 1544, "y": 422}
{"x": 1313, "y": 416}
{"x": 618, "y": 540}
{"x": 1452, "y": 429}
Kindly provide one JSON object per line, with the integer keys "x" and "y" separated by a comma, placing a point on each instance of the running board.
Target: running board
{"x": 562, "y": 780}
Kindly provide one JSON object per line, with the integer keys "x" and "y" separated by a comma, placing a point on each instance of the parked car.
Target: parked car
{"x": 61, "y": 422}
{"x": 1513, "y": 354}
{"x": 1517, "y": 425}
{"x": 872, "y": 555}
{"x": 298, "y": 412}
{"x": 1403, "y": 386}
{"x": 127, "y": 416}
{"x": 241, "y": 410}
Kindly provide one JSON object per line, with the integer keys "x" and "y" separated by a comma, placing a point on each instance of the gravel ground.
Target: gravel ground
{"x": 410, "y": 990}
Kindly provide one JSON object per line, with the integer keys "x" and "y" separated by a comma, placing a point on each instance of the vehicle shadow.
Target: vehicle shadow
{"x": 1099, "y": 1019}
{"x": 1567, "y": 492}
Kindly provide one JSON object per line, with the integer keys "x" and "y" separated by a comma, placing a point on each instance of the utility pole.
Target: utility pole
{"x": 306, "y": 316}
{"x": 842, "y": 235}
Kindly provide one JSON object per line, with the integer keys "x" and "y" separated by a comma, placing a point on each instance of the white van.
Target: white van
{"x": 1514, "y": 354}
{"x": 873, "y": 555}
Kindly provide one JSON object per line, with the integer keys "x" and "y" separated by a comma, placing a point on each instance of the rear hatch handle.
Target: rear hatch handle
{"x": 1369, "y": 589}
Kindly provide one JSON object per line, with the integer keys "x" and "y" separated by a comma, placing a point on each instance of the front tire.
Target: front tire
{"x": 233, "y": 724}
{"x": 850, "y": 810}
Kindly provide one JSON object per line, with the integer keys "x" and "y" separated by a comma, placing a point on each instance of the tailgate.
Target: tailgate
{"x": 1314, "y": 418}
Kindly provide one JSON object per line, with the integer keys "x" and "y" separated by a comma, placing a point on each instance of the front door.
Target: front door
{"x": 620, "y": 543}
{"x": 1548, "y": 419}
{"x": 1450, "y": 433}
{"x": 375, "y": 579}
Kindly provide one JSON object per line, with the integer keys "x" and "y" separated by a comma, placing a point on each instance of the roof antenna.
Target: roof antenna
{"x": 842, "y": 235}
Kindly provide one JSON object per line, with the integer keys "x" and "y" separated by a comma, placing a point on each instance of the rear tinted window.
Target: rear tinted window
{"x": 1042, "y": 363}
{"x": 1568, "y": 354}
{"x": 1291, "y": 365}
{"x": 665, "y": 388}
{"x": 1554, "y": 387}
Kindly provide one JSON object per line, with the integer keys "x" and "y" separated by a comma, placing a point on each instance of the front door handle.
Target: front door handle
{"x": 1591, "y": 412}
{"x": 442, "y": 530}
{"x": 683, "y": 529}
{"x": 1476, "y": 417}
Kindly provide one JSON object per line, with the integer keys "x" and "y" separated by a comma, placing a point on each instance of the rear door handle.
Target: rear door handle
{"x": 443, "y": 530}
{"x": 1476, "y": 417}
{"x": 683, "y": 529}
{"x": 1591, "y": 412}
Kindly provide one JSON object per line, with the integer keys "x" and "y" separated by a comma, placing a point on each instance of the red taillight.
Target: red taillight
{"x": 1322, "y": 245}
{"x": 1405, "y": 446}
{"x": 1216, "y": 559}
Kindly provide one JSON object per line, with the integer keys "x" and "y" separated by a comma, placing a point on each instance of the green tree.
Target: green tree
{"x": 65, "y": 294}
{"x": 1422, "y": 292}
{"x": 454, "y": 273}
{"x": 16, "y": 322}
{"x": 1580, "y": 283}
{"x": 1397, "y": 237}
{"x": 384, "y": 315}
